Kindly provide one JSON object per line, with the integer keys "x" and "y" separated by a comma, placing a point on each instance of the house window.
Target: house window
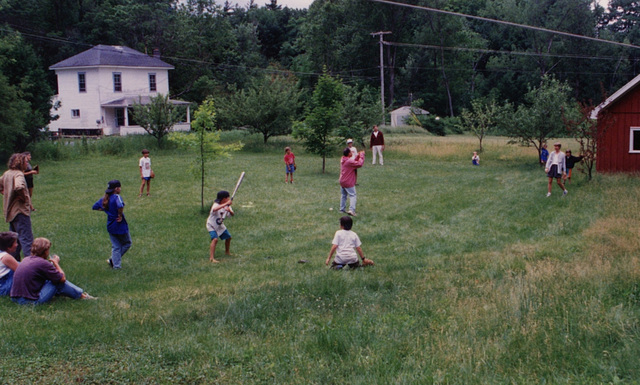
{"x": 634, "y": 140}
{"x": 75, "y": 114}
{"x": 117, "y": 82}
{"x": 152, "y": 82}
{"x": 82, "y": 82}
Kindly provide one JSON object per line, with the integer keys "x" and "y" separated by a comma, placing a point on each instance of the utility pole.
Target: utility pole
{"x": 381, "y": 35}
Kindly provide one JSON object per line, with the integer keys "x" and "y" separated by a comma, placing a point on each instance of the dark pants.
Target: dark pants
{"x": 21, "y": 224}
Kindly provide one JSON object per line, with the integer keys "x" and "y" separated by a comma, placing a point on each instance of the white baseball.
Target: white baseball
{"x": 330, "y": 208}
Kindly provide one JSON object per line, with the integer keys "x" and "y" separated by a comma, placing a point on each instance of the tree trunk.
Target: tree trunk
{"x": 323, "y": 162}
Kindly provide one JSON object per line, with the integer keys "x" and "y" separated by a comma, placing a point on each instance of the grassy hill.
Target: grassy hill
{"x": 479, "y": 277}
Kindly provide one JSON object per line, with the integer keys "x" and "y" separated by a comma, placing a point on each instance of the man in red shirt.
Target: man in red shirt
{"x": 377, "y": 144}
{"x": 348, "y": 166}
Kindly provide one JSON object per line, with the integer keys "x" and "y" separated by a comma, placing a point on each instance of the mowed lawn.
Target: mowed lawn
{"x": 479, "y": 277}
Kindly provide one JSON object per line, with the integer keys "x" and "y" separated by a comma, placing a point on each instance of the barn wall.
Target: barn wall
{"x": 613, "y": 148}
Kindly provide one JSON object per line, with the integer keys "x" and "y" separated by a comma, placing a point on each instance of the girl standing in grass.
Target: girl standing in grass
{"x": 117, "y": 226}
{"x": 475, "y": 159}
{"x": 556, "y": 168}
{"x": 290, "y": 164}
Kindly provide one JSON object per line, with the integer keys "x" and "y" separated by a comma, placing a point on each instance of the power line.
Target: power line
{"x": 484, "y": 50}
{"x": 509, "y": 23}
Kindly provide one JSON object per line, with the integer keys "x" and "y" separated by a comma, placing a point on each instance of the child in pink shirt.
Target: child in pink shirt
{"x": 290, "y": 164}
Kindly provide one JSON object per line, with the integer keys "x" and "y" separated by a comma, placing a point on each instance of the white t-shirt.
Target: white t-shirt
{"x": 145, "y": 163}
{"x": 354, "y": 151}
{"x": 4, "y": 270}
{"x": 216, "y": 219}
{"x": 347, "y": 241}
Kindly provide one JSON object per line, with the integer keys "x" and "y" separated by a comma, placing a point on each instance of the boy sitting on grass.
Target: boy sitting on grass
{"x": 345, "y": 244}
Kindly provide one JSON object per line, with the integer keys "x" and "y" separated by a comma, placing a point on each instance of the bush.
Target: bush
{"x": 433, "y": 124}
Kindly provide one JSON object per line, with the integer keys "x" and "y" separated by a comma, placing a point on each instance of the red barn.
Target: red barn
{"x": 619, "y": 145}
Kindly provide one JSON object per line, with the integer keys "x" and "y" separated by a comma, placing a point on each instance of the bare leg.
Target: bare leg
{"x": 141, "y": 187}
{"x": 148, "y": 186}
{"x": 227, "y": 246}
{"x": 549, "y": 187}
{"x": 212, "y": 250}
{"x": 559, "y": 180}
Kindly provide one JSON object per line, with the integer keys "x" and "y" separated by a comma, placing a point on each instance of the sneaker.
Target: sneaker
{"x": 342, "y": 211}
{"x": 565, "y": 192}
{"x": 88, "y": 296}
{"x": 351, "y": 213}
{"x": 110, "y": 262}
{"x": 548, "y": 195}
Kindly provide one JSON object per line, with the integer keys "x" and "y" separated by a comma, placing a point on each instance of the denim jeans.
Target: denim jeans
{"x": 21, "y": 224}
{"x": 351, "y": 192}
{"x": 120, "y": 243}
{"x": 5, "y": 283}
{"x": 49, "y": 290}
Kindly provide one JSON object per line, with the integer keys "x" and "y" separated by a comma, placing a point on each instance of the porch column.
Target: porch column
{"x": 126, "y": 116}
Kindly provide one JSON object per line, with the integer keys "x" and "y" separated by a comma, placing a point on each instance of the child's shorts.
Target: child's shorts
{"x": 475, "y": 163}
{"x": 223, "y": 236}
{"x": 290, "y": 169}
{"x": 339, "y": 266}
{"x": 147, "y": 178}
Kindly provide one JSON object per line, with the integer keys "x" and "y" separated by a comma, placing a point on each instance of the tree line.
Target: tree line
{"x": 248, "y": 57}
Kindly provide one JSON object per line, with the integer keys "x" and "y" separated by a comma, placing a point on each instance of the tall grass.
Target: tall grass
{"x": 479, "y": 278}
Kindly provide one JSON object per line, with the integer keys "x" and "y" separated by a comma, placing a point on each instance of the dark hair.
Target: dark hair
{"x": 221, "y": 196}
{"x": 7, "y": 239}
{"x": 346, "y": 222}
{"x": 145, "y": 151}
{"x": 346, "y": 152}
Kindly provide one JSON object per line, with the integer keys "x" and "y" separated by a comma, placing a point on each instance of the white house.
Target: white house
{"x": 401, "y": 116}
{"x": 98, "y": 87}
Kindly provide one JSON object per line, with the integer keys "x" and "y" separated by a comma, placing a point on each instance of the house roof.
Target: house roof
{"x": 409, "y": 109}
{"x": 616, "y": 95}
{"x": 131, "y": 100}
{"x": 111, "y": 55}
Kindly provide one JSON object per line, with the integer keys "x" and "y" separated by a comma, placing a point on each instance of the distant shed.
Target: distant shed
{"x": 619, "y": 145}
{"x": 401, "y": 116}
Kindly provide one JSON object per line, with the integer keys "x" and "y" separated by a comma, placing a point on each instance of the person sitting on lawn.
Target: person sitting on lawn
{"x": 39, "y": 277}
{"x": 8, "y": 264}
{"x": 346, "y": 244}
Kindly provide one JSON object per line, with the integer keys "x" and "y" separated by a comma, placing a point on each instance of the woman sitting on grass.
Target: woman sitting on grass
{"x": 39, "y": 277}
{"x": 8, "y": 264}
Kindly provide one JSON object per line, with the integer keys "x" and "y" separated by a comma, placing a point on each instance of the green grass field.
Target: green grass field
{"x": 479, "y": 277}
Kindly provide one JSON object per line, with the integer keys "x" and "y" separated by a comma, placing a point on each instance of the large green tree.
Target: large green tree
{"x": 268, "y": 106}
{"x": 540, "y": 117}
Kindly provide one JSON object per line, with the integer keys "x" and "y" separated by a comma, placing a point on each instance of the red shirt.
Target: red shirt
{"x": 348, "y": 168}
{"x": 289, "y": 158}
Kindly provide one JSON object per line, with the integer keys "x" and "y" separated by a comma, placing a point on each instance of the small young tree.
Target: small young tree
{"x": 158, "y": 117}
{"x": 317, "y": 130}
{"x": 587, "y": 132}
{"x": 205, "y": 140}
{"x": 481, "y": 119}
{"x": 540, "y": 118}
